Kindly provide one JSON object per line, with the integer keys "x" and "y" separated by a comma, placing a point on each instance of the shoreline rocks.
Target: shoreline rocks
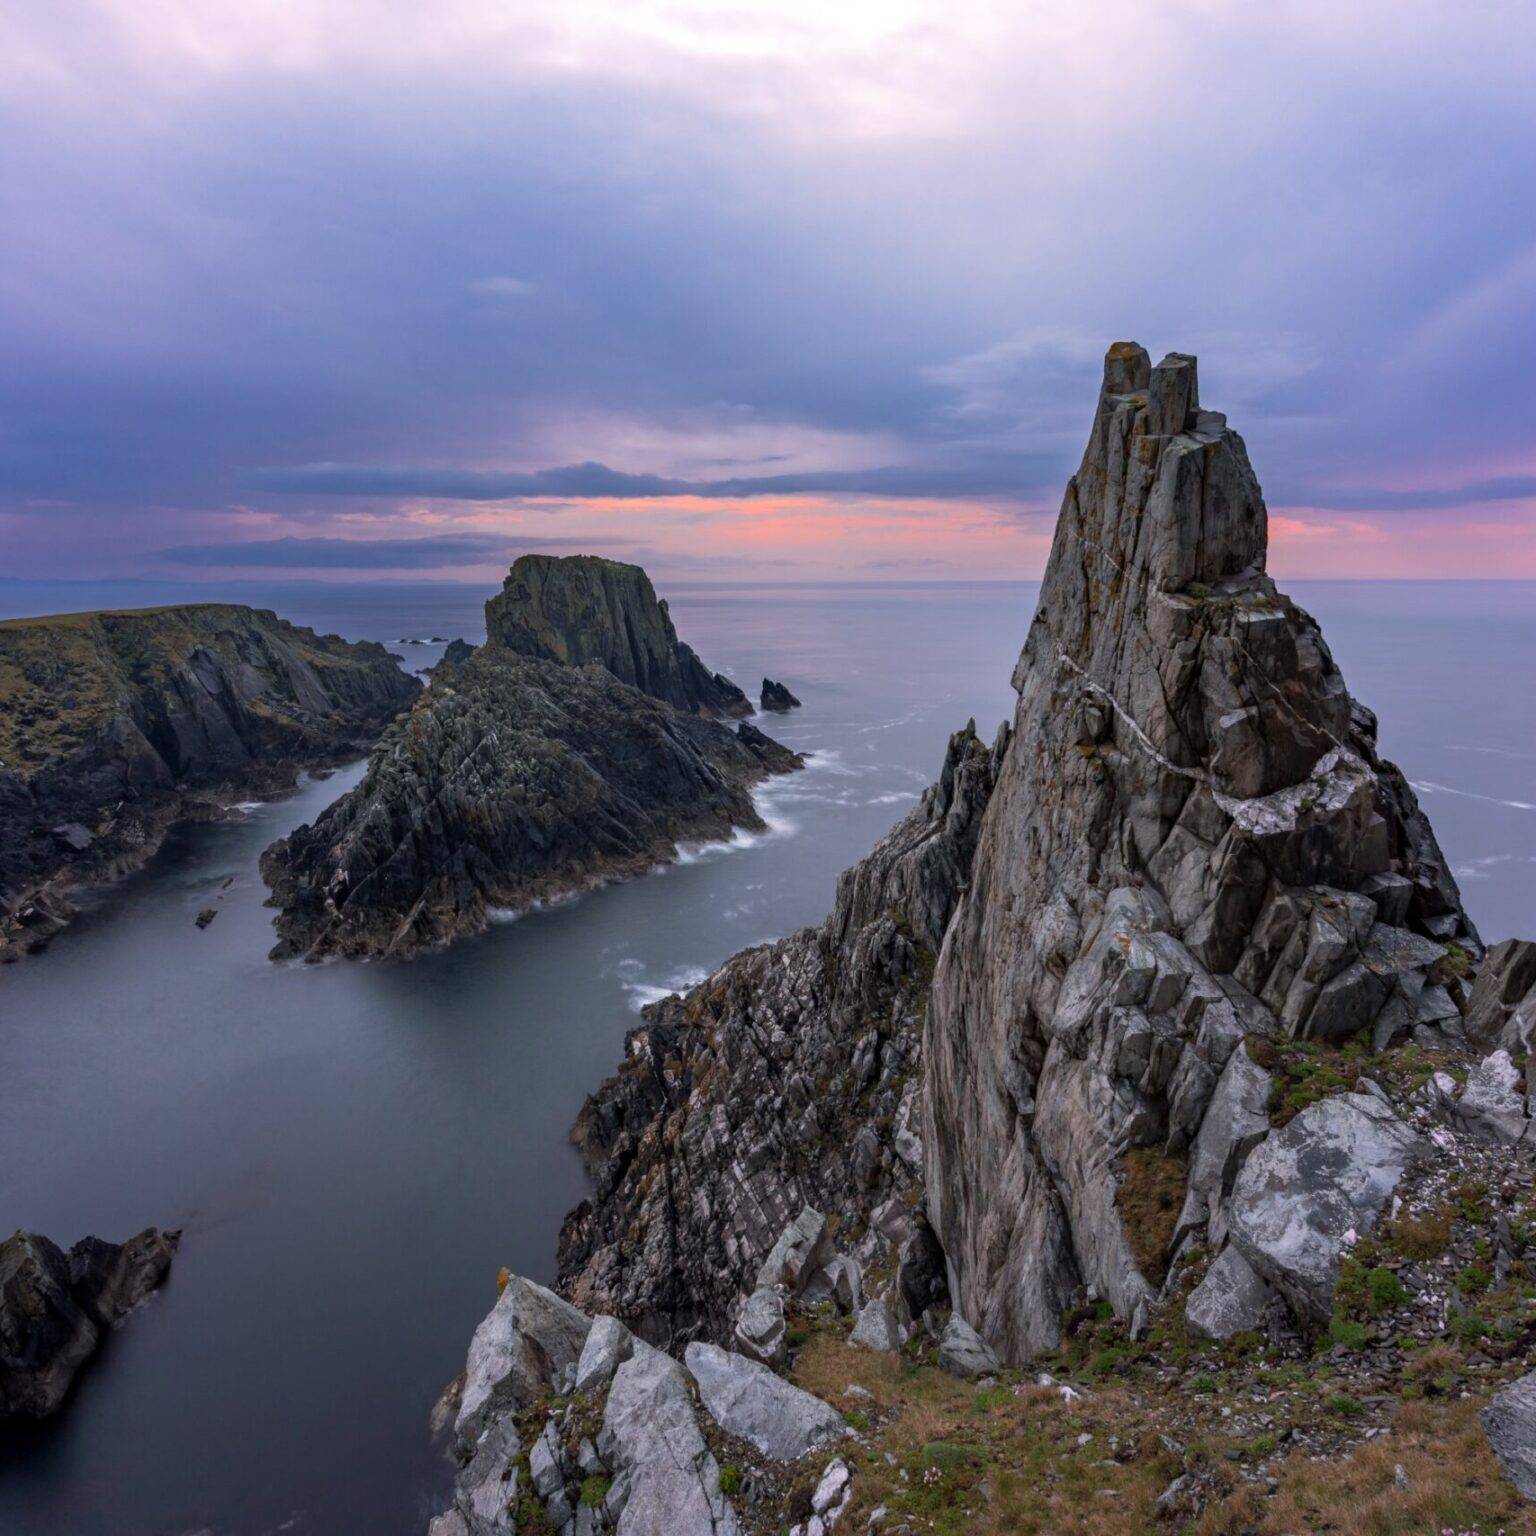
{"x": 116, "y": 726}
{"x": 55, "y": 1307}
{"x": 778, "y": 698}
{"x": 527, "y": 771}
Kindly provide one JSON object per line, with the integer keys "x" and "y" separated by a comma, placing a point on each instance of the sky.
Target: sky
{"x": 769, "y": 289}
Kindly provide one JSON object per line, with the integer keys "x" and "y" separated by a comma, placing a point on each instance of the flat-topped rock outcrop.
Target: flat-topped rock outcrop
{"x": 576, "y": 609}
{"x": 115, "y": 725}
{"x": 518, "y": 778}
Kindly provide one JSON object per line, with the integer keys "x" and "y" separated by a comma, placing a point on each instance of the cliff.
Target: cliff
{"x": 579, "y": 608}
{"x": 1199, "y": 846}
{"x": 114, "y": 725}
{"x": 522, "y": 775}
{"x": 788, "y": 1078}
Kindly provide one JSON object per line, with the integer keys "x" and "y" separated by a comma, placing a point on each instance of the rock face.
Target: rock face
{"x": 1502, "y": 1009}
{"x": 784, "y": 1081}
{"x": 746, "y": 1399}
{"x": 777, "y": 697}
{"x": 579, "y": 609}
{"x": 1199, "y": 843}
{"x": 115, "y": 725}
{"x": 54, "y": 1307}
{"x": 518, "y": 778}
{"x": 1510, "y": 1423}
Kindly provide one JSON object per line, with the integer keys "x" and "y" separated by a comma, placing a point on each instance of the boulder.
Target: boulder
{"x": 963, "y": 1352}
{"x": 803, "y": 1248}
{"x": 525, "y": 1338}
{"x": 777, "y": 697}
{"x": 1509, "y": 1421}
{"x": 666, "y": 1481}
{"x": 485, "y": 1492}
{"x": 608, "y": 1345}
{"x": 747, "y": 1399}
{"x": 1502, "y": 1008}
{"x": 1230, "y": 1299}
{"x": 1235, "y": 1122}
{"x": 760, "y": 1331}
{"x": 54, "y": 1307}
{"x": 877, "y": 1327}
{"x": 1314, "y": 1187}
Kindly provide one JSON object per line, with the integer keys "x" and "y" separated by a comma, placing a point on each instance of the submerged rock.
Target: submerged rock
{"x": 777, "y": 697}
{"x": 54, "y": 1307}
{"x": 1200, "y": 844}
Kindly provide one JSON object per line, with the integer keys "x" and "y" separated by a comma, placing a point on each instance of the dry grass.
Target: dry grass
{"x": 998, "y": 1462}
{"x": 1453, "y": 1482}
{"x": 1424, "y": 1237}
{"x": 1151, "y": 1194}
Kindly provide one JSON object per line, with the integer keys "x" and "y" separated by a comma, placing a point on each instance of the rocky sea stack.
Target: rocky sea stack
{"x": 1155, "y": 1047}
{"x": 55, "y": 1306}
{"x": 115, "y": 725}
{"x": 528, "y": 770}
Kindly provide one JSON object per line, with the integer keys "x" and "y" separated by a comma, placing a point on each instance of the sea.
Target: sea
{"x": 353, "y": 1150}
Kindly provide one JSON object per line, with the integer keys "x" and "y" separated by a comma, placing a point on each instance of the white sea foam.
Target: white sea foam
{"x": 642, "y": 991}
{"x": 1429, "y": 787}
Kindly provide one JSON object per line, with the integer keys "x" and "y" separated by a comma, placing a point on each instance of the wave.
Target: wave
{"x": 643, "y": 992}
{"x": 1429, "y": 787}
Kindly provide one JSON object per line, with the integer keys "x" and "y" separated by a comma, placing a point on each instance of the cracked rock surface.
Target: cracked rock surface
{"x": 525, "y": 772}
{"x": 1193, "y": 841}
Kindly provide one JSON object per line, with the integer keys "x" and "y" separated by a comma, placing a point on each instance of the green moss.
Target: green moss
{"x": 730, "y": 1479}
{"x": 1344, "y": 1405}
{"x": 595, "y": 1489}
{"x": 945, "y": 1453}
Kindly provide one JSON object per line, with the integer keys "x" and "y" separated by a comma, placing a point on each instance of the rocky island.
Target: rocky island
{"x": 1144, "y": 1143}
{"x": 113, "y": 726}
{"x": 55, "y": 1307}
{"x": 577, "y": 745}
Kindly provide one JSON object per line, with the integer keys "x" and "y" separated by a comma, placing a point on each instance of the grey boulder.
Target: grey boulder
{"x": 747, "y": 1399}
{"x": 609, "y": 1344}
{"x": 525, "y": 1338}
{"x": 963, "y": 1352}
{"x": 760, "y": 1331}
{"x": 876, "y": 1327}
{"x": 666, "y": 1481}
{"x": 1509, "y": 1421}
{"x": 1230, "y": 1299}
{"x": 1313, "y": 1188}
{"x": 803, "y": 1248}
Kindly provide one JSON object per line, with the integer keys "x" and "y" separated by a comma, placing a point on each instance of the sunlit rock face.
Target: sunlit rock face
{"x": 1191, "y": 840}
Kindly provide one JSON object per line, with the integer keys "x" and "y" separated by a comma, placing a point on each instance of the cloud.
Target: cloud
{"x": 1500, "y": 488}
{"x": 579, "y": 481}
{"x": 432, "y": 553}
{"x": 502, "y": 287}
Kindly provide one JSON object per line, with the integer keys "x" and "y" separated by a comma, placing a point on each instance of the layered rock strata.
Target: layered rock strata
{"x": 785, "y": 1080}
{"x": 115, "y": 725}
{"x": 55, "y": 1307}
{"x": 577, "y": 609}
{"x": 1194, "y": 841}
{"x": 518, "y": 778}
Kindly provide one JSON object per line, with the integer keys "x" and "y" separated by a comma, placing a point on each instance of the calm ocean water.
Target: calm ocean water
{"x": 354, "y": 1150}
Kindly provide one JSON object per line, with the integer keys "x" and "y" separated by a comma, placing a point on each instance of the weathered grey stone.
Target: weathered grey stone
{"x": 760, "y": 1331}
{"x": 544, "y": 1469}
{"x": 1312, "y": 1188}
{"x": 1200, "y": 842}
{"x": 1231, "y": 1298}
{"x": 963, "y": 1352}
{"x": 668, "y": 1481}
{"x": 528, "y": 1335}
{"x": 1236, "y": 1121}
{"x": 845, "y": 1283}
{"x": 747, "y": 1399}
{"x": 608, "y": 1345}
{"x": 1502, "y": 1008}
{"x": 1509, "y": 1421}
{"x": 803, "y": 1247}
{"x": 485, "y": 1491}
{"x": 1490, "y": 1107}
{"x": 832, "y": 1491}
{"x": 876, "y": 1327}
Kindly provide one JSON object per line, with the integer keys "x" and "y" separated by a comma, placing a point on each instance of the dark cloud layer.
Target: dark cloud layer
{"x": 431, "y": 553}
